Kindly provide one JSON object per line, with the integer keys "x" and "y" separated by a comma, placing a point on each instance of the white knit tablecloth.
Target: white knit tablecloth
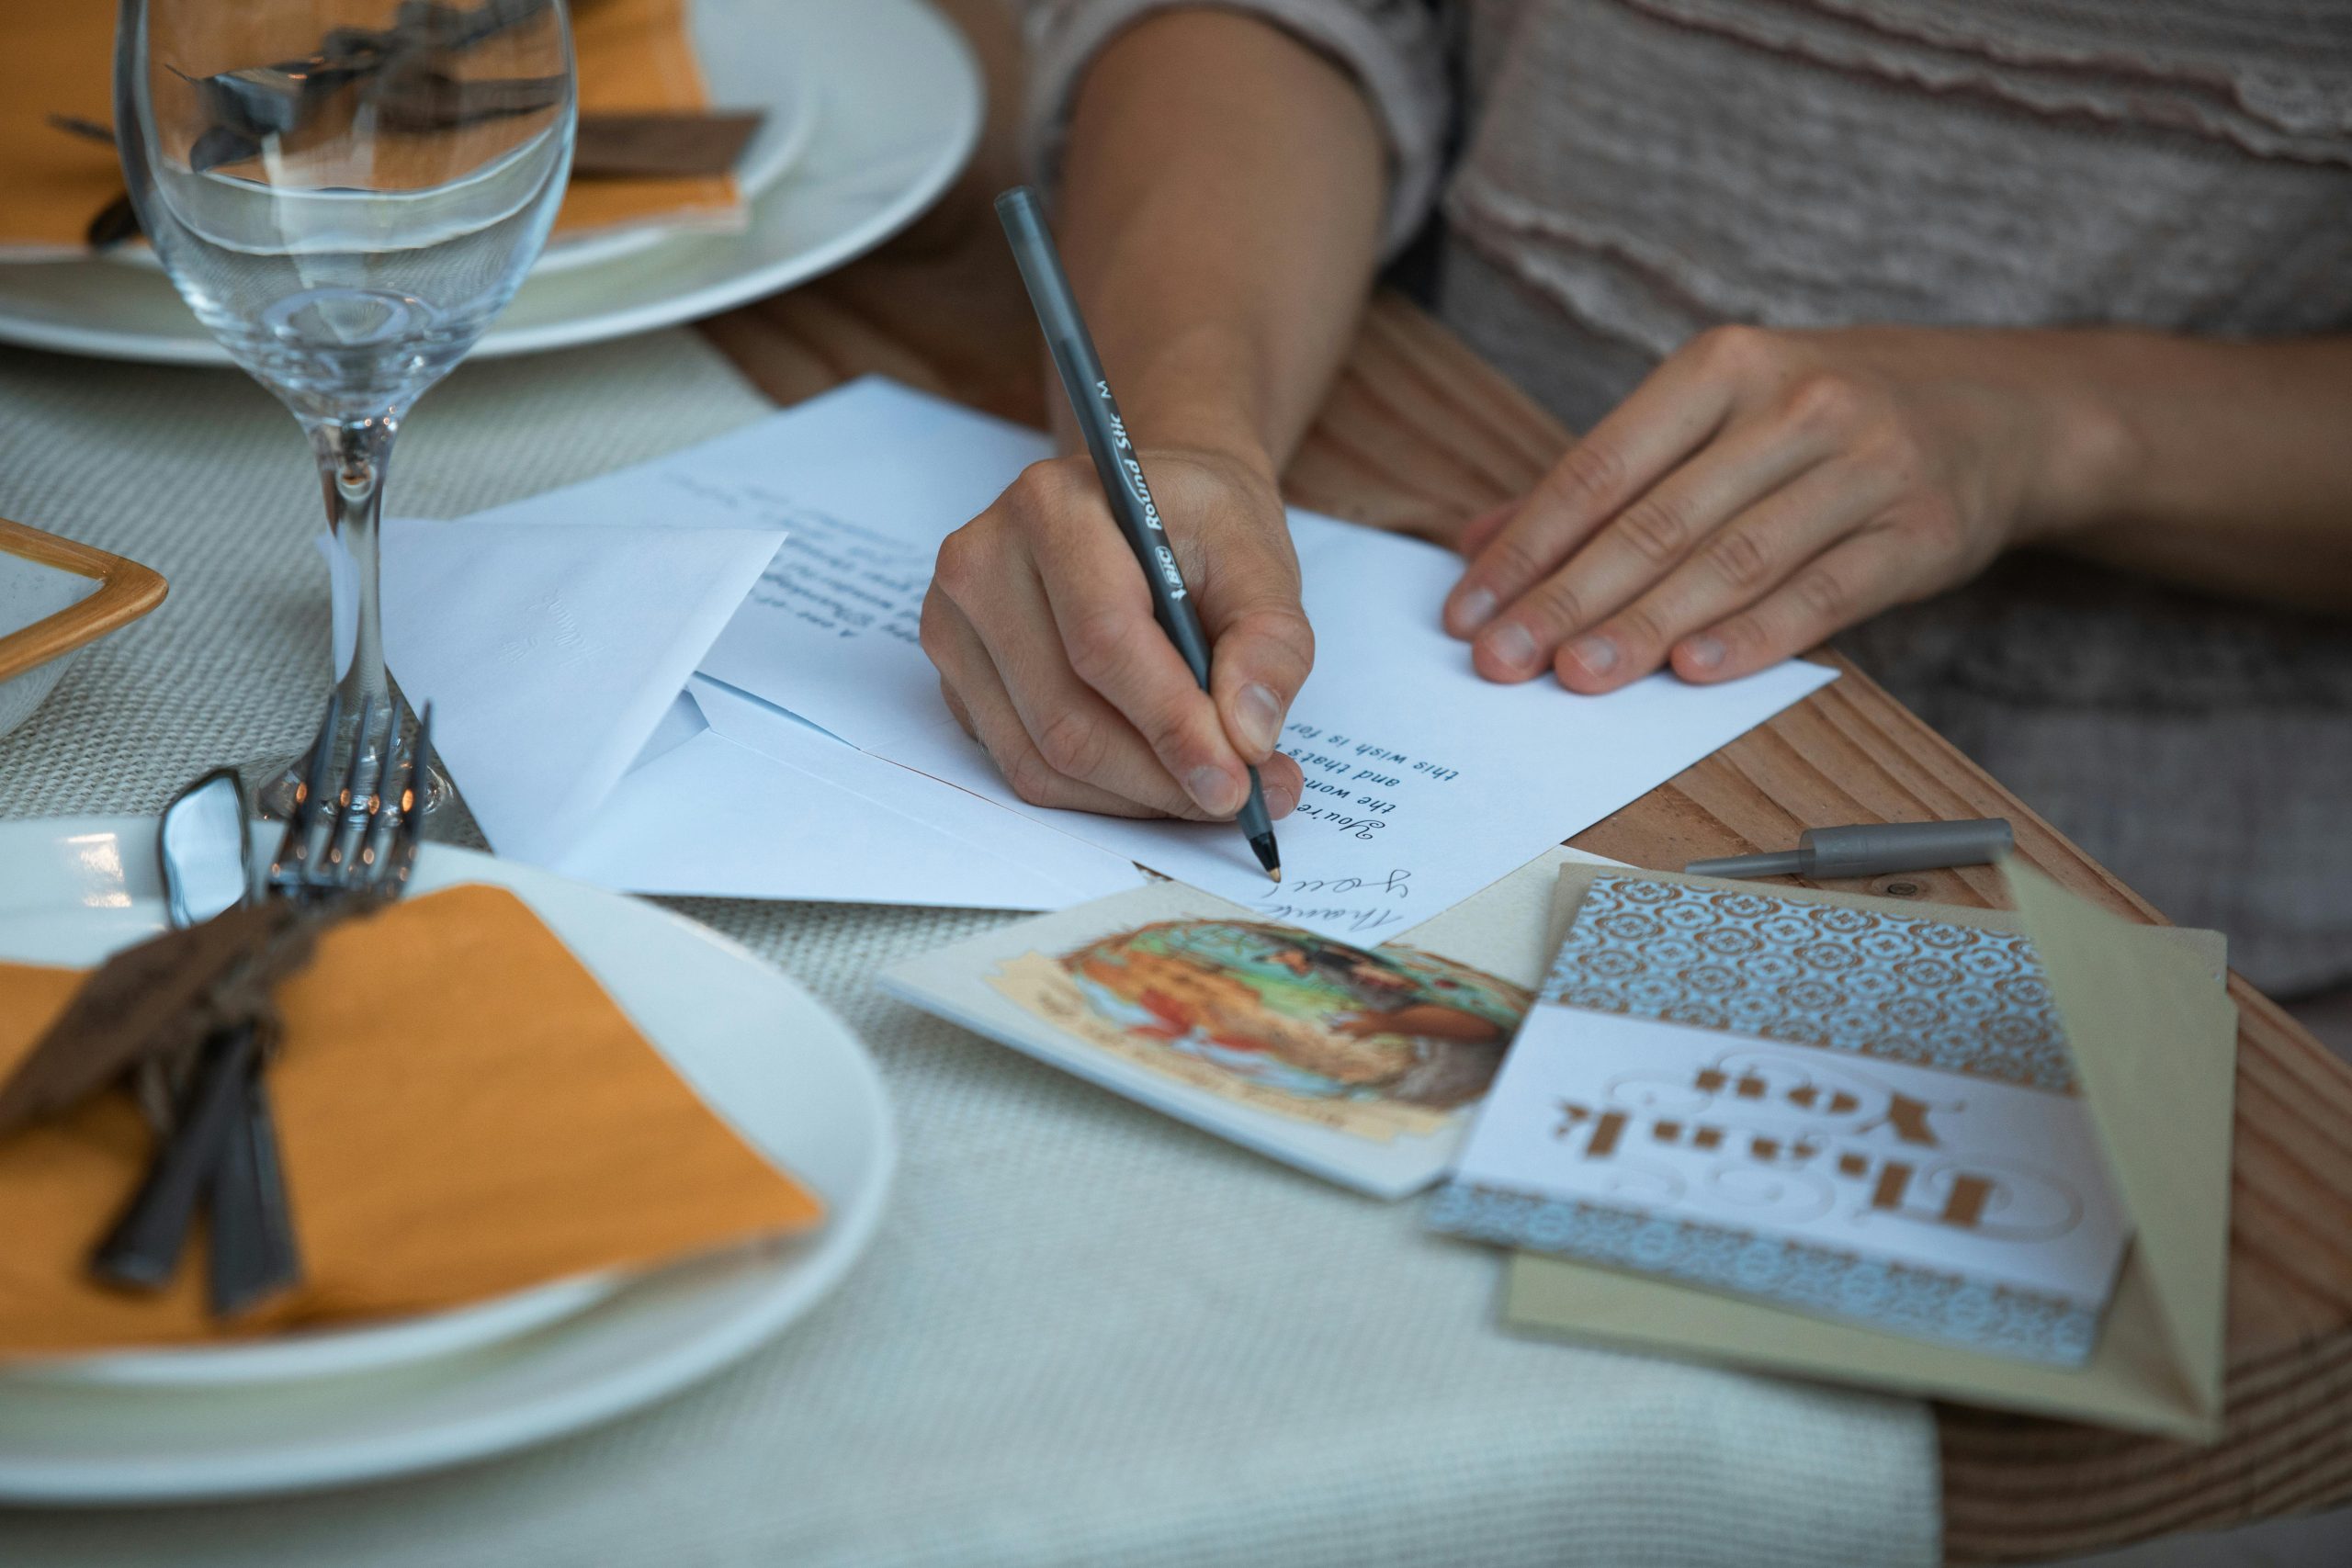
{"x": 1085, "y": 1335}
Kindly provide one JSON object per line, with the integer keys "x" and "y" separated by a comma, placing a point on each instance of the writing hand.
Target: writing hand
{"x": 1041, "y": 626}
{"x": 1763, "y": 489}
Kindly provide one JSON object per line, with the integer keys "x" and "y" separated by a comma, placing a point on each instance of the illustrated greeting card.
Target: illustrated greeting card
{"x": 1358, "y": 1064}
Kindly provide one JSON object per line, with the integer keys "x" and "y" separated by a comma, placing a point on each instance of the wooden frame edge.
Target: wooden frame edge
{"x": 125, "y": 591}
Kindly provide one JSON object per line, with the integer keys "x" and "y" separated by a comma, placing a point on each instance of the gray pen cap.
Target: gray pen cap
{"x": 1873, "y": 849}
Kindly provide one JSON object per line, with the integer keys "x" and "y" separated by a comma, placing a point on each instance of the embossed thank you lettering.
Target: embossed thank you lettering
{"x": 1830, "y": 1135}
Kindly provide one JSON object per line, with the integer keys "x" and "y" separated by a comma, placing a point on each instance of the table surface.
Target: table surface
{"x": 1421, "y": 434}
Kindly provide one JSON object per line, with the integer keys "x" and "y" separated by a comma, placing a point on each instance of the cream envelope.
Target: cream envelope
{"x": 2153, "y": 1036}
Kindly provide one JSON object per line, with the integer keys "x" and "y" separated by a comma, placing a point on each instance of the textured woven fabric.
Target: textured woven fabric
{"x": 1085, "y": 1335}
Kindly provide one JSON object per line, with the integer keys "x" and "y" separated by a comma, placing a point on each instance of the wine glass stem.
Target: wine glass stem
{"x": 352, "y": 453}
{"x": 352, "y": 456}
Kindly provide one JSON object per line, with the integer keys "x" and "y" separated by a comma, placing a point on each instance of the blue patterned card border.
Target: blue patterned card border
{"x": 1959, "y": 999}
{"x": 1893, "y": 1297}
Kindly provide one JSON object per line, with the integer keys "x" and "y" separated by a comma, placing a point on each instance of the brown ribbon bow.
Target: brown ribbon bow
{"x": 160, "y": 1000}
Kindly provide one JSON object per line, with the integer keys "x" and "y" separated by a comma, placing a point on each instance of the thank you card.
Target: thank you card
{"x": 1836, "y": 1110}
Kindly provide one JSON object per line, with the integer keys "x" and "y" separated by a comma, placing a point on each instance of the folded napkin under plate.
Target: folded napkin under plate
{"x": 635, "y": 57}
{"x": 465, "y": 1114}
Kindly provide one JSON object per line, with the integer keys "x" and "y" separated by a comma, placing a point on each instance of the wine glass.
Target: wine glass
{"x": 346, "y": 192}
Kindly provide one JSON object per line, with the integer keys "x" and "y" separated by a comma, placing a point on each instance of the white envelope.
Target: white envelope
{"x": 558, "y": 657}
{"x": 737, "y": 799}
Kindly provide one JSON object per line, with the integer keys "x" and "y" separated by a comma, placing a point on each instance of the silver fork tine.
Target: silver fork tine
{"x": 383, "y": 804}
{"x": 410, "y": 829}
{"x": 290, "y": 866}
{"x": 391, "y": 808}
{"x": 348, "y": 815}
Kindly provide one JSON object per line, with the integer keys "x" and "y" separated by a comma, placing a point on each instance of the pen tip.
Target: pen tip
{"x": 1262, "y": 846}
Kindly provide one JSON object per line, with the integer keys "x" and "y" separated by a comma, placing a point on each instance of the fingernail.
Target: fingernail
{"x": 1596, "y": 653}
{"x": 1705, "y": 652}
{"x": 1261, "y": 715}
{"x": 1215, "y": 790}
{"x": 1281, "y": 800}
{"x": 1477, "y": 607}
{"x": 1514, "y": 645}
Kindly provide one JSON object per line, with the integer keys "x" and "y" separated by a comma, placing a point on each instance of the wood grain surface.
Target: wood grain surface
{"x": 1421, "y": 434}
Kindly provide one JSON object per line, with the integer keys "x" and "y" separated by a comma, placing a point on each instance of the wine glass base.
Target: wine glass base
{"x": 274, "y": 784}
{"x": 356, "y": 760}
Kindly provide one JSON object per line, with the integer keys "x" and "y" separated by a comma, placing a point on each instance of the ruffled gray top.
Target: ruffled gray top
{"x": 1615, "y": 176}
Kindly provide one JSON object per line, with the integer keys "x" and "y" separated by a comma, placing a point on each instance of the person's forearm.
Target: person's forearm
{"x": 2225, "y": 465}
{"x": 1220, "y": 212}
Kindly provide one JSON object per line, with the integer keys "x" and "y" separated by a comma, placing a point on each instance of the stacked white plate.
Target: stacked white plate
{"x": 326, "y": 1408}
{"x": 872, "y": 106}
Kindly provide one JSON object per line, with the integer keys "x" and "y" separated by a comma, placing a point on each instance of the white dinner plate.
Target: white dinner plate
{"x": 893, "y": 102}
{"x": 751, "y": 60}
{"x": 787, "y": 1074}
{"x": 328, "y": 1353}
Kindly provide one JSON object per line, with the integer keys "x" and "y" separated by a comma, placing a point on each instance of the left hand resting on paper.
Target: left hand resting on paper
{"x": 1763, "y": 489}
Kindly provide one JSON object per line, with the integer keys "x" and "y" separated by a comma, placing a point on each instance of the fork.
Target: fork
{"x": 363, "y": 843}
{"x": 340, "y": 853}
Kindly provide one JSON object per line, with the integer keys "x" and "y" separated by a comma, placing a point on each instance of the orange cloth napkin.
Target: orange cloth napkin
{"x": 635, "y": 56}
{"x": 463, "y": 1113}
